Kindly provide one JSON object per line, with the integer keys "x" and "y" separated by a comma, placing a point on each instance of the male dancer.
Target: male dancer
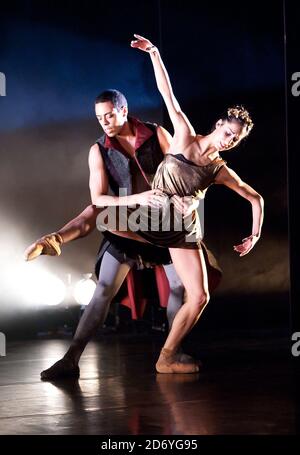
{"x": 126, "y": 156}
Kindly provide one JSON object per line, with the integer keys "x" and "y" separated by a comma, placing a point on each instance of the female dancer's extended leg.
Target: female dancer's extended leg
{"x": 191, "y": 269}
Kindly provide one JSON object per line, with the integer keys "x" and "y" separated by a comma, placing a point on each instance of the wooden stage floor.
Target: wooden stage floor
{"x": 246, "y": 386}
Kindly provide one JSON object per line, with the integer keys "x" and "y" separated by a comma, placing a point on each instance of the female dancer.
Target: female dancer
{"x": 190, "y": 166}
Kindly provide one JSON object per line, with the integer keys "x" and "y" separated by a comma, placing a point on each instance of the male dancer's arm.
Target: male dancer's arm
{"x": 99, "y": 187}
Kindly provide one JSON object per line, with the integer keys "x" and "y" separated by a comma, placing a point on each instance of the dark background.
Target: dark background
{"x": 57, "y": 58}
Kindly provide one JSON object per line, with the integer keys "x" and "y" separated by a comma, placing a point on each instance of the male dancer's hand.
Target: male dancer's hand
{"x": 49, "y": 244}
{"x": 152, "y": 198}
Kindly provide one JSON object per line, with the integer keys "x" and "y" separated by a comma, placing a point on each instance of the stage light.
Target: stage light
{"x": 56, "y": 291}
{"x": 84, "y": 290}
{"x": 41, "y": 288}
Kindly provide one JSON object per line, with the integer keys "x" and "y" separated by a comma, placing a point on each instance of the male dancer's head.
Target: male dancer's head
{"x": 111, "y": 110}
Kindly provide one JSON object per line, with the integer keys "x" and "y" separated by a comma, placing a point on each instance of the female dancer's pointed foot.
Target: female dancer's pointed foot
{"x": 168, "y": 363}
{"x": 62, "y": 369}
{"x": 50, "y": 244}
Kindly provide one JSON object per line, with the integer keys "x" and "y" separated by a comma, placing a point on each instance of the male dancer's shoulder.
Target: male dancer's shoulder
{"x": 101, "y": 140}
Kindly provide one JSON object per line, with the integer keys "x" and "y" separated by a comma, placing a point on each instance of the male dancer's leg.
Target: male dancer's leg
{"x": 111, "y": 276}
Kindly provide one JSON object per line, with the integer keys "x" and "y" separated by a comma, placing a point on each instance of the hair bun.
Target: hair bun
{"x": 240, "y": 113}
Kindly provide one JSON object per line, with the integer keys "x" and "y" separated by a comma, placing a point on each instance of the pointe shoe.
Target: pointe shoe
{"x": 49, "y": 244}
{"x": 62, "y": 369}
{"x": 167, "y": 363}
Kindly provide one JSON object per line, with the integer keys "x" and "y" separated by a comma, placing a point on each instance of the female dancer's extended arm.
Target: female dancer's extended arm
{"x": 183, "y": 130}
{"x": 229, "y": 178}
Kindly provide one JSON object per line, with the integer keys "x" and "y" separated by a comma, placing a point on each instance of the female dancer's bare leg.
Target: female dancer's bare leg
{"x": 191, "y": 269}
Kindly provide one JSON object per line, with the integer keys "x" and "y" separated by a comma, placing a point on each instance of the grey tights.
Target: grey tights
{"x": 111, "y": 276}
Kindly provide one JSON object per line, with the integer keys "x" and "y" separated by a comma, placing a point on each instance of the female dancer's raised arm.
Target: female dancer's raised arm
{"x": 229, "y": 130}
{"x": 183, "y": 130}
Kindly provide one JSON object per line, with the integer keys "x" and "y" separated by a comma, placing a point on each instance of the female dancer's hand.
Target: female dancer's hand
{"x": 247, "y": 245}
{"x": 142, "y": 43}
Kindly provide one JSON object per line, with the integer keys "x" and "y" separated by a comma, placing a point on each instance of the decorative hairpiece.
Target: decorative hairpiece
{"x": 240, "y": 113}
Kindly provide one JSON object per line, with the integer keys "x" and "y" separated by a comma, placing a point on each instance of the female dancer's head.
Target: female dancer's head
{"x": 231, "y": 128}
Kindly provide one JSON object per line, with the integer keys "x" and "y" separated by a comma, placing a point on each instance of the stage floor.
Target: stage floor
{"x": 246, "y": 386}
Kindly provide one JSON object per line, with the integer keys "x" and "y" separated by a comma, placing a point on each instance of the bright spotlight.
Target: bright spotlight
{"x": 56, "y": 291}
{"x": 42, "y": 288}
{"x": 84, "y": 290}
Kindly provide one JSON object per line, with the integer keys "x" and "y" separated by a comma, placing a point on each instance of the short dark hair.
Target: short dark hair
{"x": 114, "y": 96}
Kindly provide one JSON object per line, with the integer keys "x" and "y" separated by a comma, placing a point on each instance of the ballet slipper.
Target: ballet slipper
{"x": 168, "y": 363}
{"x": 182, "y": 357}
{"x": 63, "y": 368}
{"x": 49, "y": 245}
